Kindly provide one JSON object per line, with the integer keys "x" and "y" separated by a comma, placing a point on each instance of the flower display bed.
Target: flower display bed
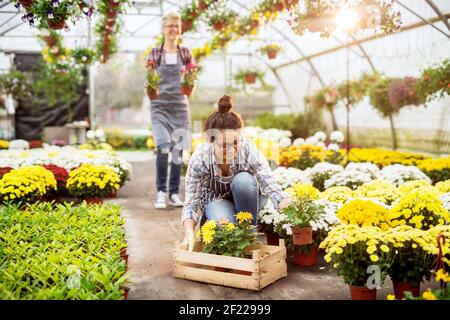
{"x": 267, "y": 265}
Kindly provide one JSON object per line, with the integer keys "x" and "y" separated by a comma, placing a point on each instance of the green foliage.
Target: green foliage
{"x": 61, "y": 252}
{"x": 434, "y": 82}
{"x": 301, "y": 125}
{"x": 302, "y": 211}
{"x": 83, "y": 55}
{"x": 15, "y": 83}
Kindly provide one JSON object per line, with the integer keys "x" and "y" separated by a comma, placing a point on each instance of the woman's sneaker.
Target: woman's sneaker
{"x": 175, "y": 201}
{"x": 160, "y": 201}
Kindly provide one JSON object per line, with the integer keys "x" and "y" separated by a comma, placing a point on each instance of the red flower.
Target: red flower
{"x": 35, "y": 144}
{"x": 60, "y": 174}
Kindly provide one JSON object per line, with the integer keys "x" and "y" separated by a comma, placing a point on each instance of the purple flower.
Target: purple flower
{"x": 55, "y": 3}
{"x": 17, "y": 5}
{"x": 50, "y": 15}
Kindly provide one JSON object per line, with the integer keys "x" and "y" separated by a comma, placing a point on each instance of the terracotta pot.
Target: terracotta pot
{"x": 114, "y": 4}
{"x": 306, "y": 259}
{"x": 250, "y": 78}
{"x": 272, "y": 239}
{"x": 400, "y": 287}
{"x": 94, "y": 200}
{"x": 126, "y": 291}
{"x": 302, "y": 236}
{"x": 272, "y": 54}
{"x": 202, "y": 6}
{"x": 153, "y": 94}
{"x": 362, "y": 293}
{"x": 51, "y": 41}
{"x": 124, "y": 257}
{"x": 55, "y": 24}
{"x": 186, "y": 25}
{"x": 219, "y": 26}
{"x": 26, "y": 4}
{"x": 113, "y": 194}
{"x": 278, "y": 6}
{"x": 111, "y": 13}
{"x": 187, "y": 90}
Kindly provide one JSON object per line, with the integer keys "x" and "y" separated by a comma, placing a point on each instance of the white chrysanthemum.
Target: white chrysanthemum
{"x": 365, "y": 167}
{"x": 351, "y": 179}
{"x": 398, "y": 174}
{"x": 446, "y": 201}
{"x": 333, "y": 147}
{"x": 321, "y": 144}
{"x": 320, "y": 135}
{"x": 289, "y": 177}
{"x": 312, "y": 140}
{"x": 298, "y": 142}
{"x": 285, "y": 142}
{"x": 337, "y": 136}
{"x": 90, "y": 134}
{"x": 19, "y": 144}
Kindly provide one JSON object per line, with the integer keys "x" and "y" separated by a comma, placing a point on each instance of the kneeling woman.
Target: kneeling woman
{"x": 227, "y": 175}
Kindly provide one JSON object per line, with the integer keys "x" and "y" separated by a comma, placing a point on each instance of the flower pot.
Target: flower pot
{"x": 219, "y": 26}
{"x": 186, "y": 25}
{"x": 126, "y": 291}
{"x": 56, "y": 24}
{"x": 272, "y": 238}
{"x": 278, "y": 6}
{"x": 400, "y": 287}
{"x": 187, "y": 90}
{"x": 302, "y": 236}
{"x": 50, "y": 40}
{"x": 113, "y": 194}
{"x": 202, "y": 6}
{"x": 153, "y": 94}
{"x": 124, "y": 257}
{"x": 272, "y": 54}
{"x": 123, "y": 251}
{"x": 362, "y": 293}
{"x": 26, "y": 4}
{"x": 308, "y": 259}
{"x": 94, "y": 200}
{"x": 250, "y": 78}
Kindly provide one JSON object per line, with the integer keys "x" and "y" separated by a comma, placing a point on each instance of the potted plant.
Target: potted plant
{"x": 15, "y": 83}
{"x": 92, "y": 182}
{"x": 220, "y": 19}
{"x": 54, "y": 12}
{"x": 413, "y": 252}
{"x": 152, "y": 78}
{"x": 188, "y": 17}
{"x": 203, "y": 5}
{"x": 83, "y": 55}
{"x": 227, "y": 238}
{"x": 271, "y": 50}
{"x": 248, "y": 75}
{"x": 364, "y": 213}
{"x": 61, "y": 177}
{"x": 278, "y": 5}
{"x": 268, "y": 218}
{"x": 190, "y": 76}
{"x": 351, "y": 250}
{"x": 301, "y": 212}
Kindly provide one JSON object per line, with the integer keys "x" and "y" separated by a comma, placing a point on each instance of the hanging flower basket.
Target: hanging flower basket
{"x": 278, "y": 6}
{"x": 202, "y": 5}
{"x": 114, "y": 4}
{"x": 401, "y": 287}
{"x": 111, "y": 13}
{"x": 315, "y": 24}
{"x": 186, "y": 25}
{"x": 219, "y": 26}
{"x": 362, "y": 293}
{"x": 186, "y": 90}
{"x": 26, "y": 4}
{"x": 153, "y": 94}
{"x": 302, "y": 236}
{"x": 56, "y": 24}
{"x": 272, "y": 54}
{"x": 250, "y": 78}
{"x": 50, "y": 40}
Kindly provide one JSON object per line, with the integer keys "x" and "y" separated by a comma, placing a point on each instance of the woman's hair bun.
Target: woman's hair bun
{"x": 225, "y": 104}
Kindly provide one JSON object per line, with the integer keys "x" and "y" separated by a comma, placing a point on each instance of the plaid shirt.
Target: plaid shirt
{"x": 155, "y": 53}
{"x": 198, "y": 174}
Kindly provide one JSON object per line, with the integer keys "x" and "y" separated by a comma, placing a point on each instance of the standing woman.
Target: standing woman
{"x": 228, "y": 174}
{"x": 170, "y": 111}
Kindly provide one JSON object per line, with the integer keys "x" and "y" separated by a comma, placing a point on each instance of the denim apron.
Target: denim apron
{"x": 170, "y": 111}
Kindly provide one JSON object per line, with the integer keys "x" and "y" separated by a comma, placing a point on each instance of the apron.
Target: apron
{"x": 170, "y": 111}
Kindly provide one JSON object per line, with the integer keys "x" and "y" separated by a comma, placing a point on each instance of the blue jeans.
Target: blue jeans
{"x": 162, "y": 166}
{"x": 246, "y": 197}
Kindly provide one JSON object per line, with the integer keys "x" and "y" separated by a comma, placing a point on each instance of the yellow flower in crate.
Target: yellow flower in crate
{"x": 409, "y": 186}
{"x": 244, "y": 217}
{"x": 443, "y": 186}
{"x": 26, "y": 184}
{"x": 88, "y": 181}
{"x": 381, "y": 190}
{"x": 338, "y": 194}
{"x": 301, "y": 190}
{"x": 364, "y": 213}
{"x": 420, "y": 209}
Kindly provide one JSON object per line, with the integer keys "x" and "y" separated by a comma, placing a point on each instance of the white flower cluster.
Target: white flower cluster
{"x": 446, "y": 201}
{"x": 398, "y": 174}
{"x": 19, "y": 144}
{"x": 351, "y": 179}
{"x": 364, "y": 167}
{"x": 328, "y": 220}
{"x": 319, "y": 138}
{"x": 270, "y": 216}
{"x": 280, "y": 136}
{"x": 98, "y": 134}
{"x": 323, "y": 170}
{"x": 289, "y": 177}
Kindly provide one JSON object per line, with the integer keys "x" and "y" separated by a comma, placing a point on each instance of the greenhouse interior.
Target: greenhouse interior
{"x": 225, "y": 150}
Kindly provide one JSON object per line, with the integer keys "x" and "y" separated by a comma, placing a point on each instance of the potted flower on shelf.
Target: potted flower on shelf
{"x": 152, "y": 78}
{"x": 353, "y": 251}
{"x": 190, "y": 76}
{"x": 271, "y": 50}
{"x": 301, "y": 212}
{"x": 92, "y": 182}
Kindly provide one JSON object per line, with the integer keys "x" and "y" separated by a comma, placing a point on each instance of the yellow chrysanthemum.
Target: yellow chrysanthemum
{"x": 390, "y": 297}
{"x": 230, "y": 226}
{"x": 429, "y": 295}
{"x": 243, "y": 217}
{"x": 374, "y": 258}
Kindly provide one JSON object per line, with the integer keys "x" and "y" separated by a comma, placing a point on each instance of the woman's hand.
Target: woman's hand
{"x": 284, "y": 203}
{"x": 189, "y": 238}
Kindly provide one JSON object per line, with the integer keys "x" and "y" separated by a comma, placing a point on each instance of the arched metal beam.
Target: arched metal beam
{"x": 438, "y": 12}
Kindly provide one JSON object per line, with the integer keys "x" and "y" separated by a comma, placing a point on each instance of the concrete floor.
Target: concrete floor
{"x": 151, "y": 237}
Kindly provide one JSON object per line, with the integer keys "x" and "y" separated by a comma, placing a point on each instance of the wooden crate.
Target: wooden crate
{"x": 267, "y": 265}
